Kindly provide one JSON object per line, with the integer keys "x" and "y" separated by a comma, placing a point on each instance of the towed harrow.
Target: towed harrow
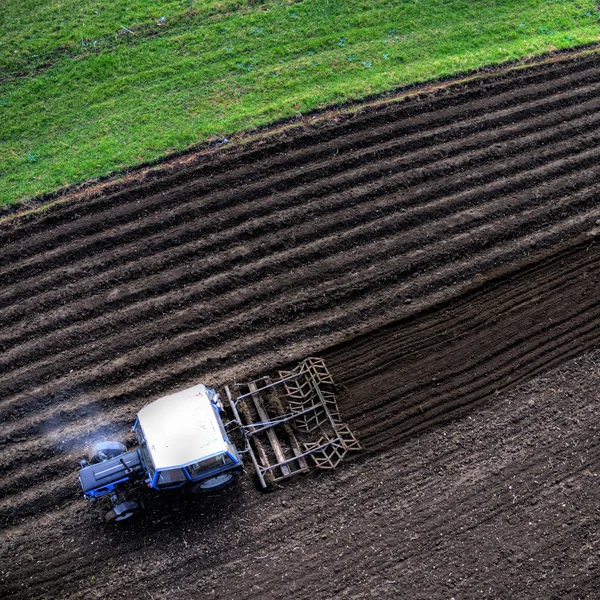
{"x": 291, "y": 424}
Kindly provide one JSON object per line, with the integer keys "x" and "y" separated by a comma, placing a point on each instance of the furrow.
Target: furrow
{"x": 185, "y": 348}
{"x": 505, "y": 167}
{"x": 384, "y": 245}
{"x": 569, "y": 123}
{"x": 142, "y": 209}
{"x": 389, "y": 235}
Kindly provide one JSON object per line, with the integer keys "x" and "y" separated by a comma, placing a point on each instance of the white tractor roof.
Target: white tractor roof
{"x": 181, "y": 428}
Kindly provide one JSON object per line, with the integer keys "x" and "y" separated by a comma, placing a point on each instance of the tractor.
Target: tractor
{"x": 284, "y": 426}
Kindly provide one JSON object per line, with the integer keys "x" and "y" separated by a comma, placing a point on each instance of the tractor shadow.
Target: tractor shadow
{"x": 174, "y": 514}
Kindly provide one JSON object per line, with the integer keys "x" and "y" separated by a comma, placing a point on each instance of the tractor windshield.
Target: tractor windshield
{"x": 209, "y": 464}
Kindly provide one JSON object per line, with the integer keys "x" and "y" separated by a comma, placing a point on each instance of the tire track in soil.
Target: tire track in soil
{"x": 336, "y": 245}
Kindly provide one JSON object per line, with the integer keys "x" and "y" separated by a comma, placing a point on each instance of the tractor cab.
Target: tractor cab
{"x": 183, "y": 442}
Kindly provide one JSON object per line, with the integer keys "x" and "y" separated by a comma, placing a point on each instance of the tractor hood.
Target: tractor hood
{"x": 101, "y": 478}
{"x": 182, "y": 428}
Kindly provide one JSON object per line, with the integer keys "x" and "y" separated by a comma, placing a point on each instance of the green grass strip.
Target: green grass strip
{"x": 72, "y": 109}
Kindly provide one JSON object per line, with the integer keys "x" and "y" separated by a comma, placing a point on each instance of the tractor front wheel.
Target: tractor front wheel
{"x": 123, "y": 511}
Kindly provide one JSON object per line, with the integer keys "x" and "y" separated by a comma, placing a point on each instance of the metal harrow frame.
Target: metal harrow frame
{"x": 292, "y": 423}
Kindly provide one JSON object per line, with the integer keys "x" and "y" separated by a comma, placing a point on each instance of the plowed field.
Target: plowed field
{"x": 436, "y": 251}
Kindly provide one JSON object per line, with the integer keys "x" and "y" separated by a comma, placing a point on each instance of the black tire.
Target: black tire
{"x": 123, "y": 511}
{"x": 105, "y": 451}
{"x": 217, "y": 482}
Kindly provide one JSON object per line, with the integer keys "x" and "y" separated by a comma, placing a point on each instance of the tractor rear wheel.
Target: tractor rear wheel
{"x": 123, "y": 511}
{"x": 105, "y": 451}
{"x": 214, "y": 483}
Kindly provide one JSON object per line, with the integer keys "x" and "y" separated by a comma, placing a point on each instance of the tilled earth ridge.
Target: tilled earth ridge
{"x": 435, "y": 251}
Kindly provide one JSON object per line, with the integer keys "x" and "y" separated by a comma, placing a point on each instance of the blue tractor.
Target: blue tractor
{"x": 287, "y": 426}
{"x": 181, "y": 443}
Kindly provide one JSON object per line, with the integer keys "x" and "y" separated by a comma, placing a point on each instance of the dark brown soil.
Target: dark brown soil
{"x": 435, "y": 251}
